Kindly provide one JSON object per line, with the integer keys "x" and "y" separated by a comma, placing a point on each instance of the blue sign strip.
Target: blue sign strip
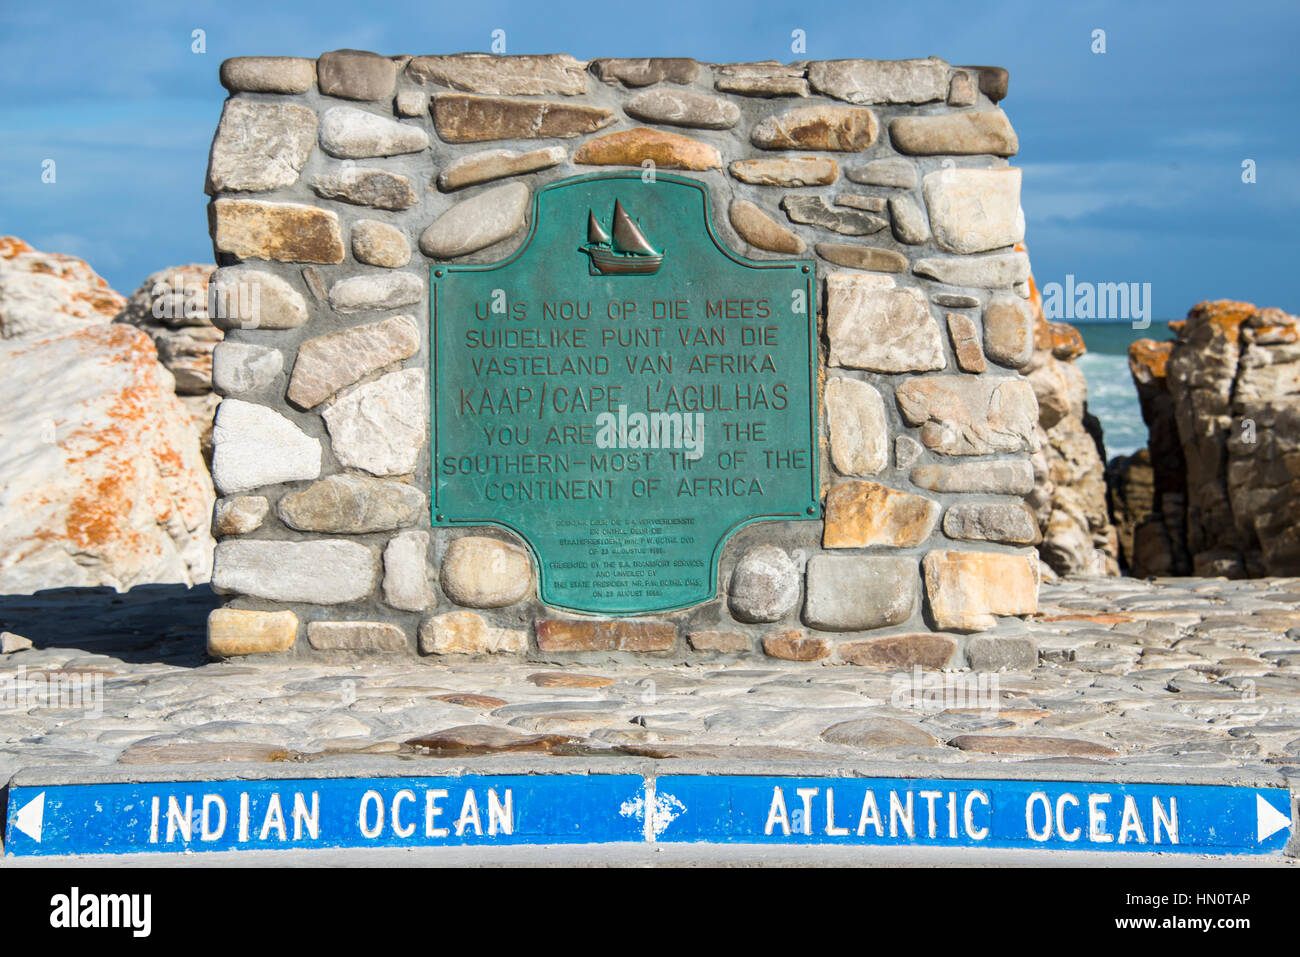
{"x": 599, "y": 809}
{"x": 992, "y": 813}
{"x": 322, "y": 813}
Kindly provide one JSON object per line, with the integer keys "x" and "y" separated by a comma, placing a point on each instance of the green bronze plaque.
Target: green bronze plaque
{"x": 623, "y": 393}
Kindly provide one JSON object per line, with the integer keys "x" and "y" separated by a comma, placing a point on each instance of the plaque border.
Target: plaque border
{"x": 812, "y": 512}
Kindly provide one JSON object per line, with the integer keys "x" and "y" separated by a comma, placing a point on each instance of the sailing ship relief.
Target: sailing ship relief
{"x": 626, "y": 253}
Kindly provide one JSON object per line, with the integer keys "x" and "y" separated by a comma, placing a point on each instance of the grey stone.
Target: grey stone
{"x": 859, "y": 435}
{"x": 321, "y": 572}
{"x": 239, "y": 368}
{"x": 1001, "y": 653}
{"x": 906, "y": 451}
{"x": 380, "y": 426}
{"x": 815, "y": 211}
{"x": 963, "y": 134}
{"x": 987, "y": 272}
{"x": 969, "y": 415}
{"x": 786, "y": 171}
{"x": 268, "y": 74}
{"x": 908, "y": 221}
{"x": 764, "y": 585}
{"x": 356, "y": 75}
{"x": 872, "y": 204}
{"x": 407, "y": 583}
{"x": 862, "y": 257}
{"x": 488, "y": 165}
{"x": 872, "y": 325}
{"x": 410, "y": 103}
{"x": 954, "y": 301}
{"x": 466, "y": 633}
{"x": 889, "y": 172}
{"x": 1013, "y": 523}
{"x": 367, "y": 293}
{"x": 475, "y": 223}
{"x": 646, "y": 71}
{"x": 356, "y": 636}
{"x": 364, "y": 186}
{"x": 1009, "y": 477}
{"x": 260, "y": 146}
{"x": 768, "y": 79}
{"x": 255, "y": 446}
{"x": 243, "y": 297}
{"x": 379, "y": 244}
{"x": 683, "y": 108}
{"x": 1009, "y": 330}
{"x": 872, "y": 733}
{"x": 974, "y": 210}
{"x": 351, "y": 504}
{"x": 329, "y": 363}
{"x": 857, "y": 592}
{"x": 485, "y": 572}
{"x": 239, "y": 515}
{"x": 502, "y": 75}
{"x": 349, "y": 133}
{"x": 880, "y": 81}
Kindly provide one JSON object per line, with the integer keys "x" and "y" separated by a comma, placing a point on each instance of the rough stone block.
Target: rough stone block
{"x": 233, "y": 632}
{"x": 486, "y": 572}
{"x": 320, "y": 572}
{"x": 863, "y": 514}
{"x": 355, "y": 636}
{"x": 764, "y": 585}
{"x": 285, "y": 232}
{"x": 857, "y": 592}
{"x": 625, "y": 635}
{"x": 966, "y": 590}
{"x": 254, "y": 446}
{"x": 873, "y": 326}
{"x": 467, "y": 633}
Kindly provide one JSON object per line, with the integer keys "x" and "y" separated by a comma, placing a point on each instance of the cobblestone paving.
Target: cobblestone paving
{"x": 1183, "y": 673}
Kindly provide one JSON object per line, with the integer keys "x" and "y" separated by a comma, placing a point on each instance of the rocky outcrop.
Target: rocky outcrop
{"x": 101, "y": 479}
{"x": 45, "y": 293}
{"x": 1069, "y": 496}
{"x": 1222, "y": 404}
{"x": 172, "y": 307}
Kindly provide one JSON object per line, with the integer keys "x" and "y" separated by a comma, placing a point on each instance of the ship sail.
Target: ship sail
{"x": 627, "y": 237}
{"x": 595, "y": 234}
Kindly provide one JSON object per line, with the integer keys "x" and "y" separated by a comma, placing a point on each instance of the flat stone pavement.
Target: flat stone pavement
{"x": 1195, "y": 677}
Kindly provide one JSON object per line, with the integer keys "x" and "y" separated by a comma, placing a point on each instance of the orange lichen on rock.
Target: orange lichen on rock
{"x": 1148, "y": 360}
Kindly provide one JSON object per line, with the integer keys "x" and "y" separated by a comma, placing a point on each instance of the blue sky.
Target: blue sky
{"x": 1132, "y": 158}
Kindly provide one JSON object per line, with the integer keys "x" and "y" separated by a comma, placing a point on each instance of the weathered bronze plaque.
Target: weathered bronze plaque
{"x": 623, "y": 393}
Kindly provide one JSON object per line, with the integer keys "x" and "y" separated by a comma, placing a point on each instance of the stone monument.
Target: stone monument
{"x": 654, "y": 358}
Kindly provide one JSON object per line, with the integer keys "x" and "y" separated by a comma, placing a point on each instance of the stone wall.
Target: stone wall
{"x": 338, "y": 183}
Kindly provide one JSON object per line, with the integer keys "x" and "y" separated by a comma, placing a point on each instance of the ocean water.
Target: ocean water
{"x": 1112, "y": 398}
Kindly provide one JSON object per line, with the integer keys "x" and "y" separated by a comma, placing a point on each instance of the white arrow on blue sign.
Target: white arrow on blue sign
{"x": 602, "y": 809}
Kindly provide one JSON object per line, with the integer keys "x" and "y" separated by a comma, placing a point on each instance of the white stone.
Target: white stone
{"x": 881, "y": 81}
{"x": 873, "y": 326}
{"x": 484, "y": 572}
{"x": 855, "y": 413}
{"x": 380, "y": 426}
{"x": 254, "y": 446}
{"x": 260, "y": 146}
{"x": 472, "y": 224}
{"x": 974, "y": 210}
{"x": 244, "y": 297}
{"x": 323, "y": 572}
{"x": 386, "y": 290}
{"x": 239, "y": 368}
{"x": 994, "y": 271}
{"x": 350, "y": 133}
{"x": 407, "y": 583}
